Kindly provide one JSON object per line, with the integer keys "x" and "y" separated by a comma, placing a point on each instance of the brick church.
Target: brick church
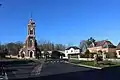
{"x": 29, "y": 49}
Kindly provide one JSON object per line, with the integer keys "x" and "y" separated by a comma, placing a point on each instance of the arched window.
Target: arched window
{"x": 31, "y": 42}
{"x": 31, "y": 31}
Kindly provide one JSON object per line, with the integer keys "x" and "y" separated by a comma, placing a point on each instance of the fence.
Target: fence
{"x": 84, "y": 59}
{"x": 91, "y": 59}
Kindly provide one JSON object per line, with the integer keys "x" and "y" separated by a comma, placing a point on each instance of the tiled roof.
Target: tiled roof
{"x": 74, "y": 47}
{"x": 103, "y": 43}
{"x": 111, "y": 46}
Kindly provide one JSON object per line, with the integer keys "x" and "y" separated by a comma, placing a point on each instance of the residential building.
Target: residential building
{"x": 104, "y": 45}
{"x": 118, "y": 50}
{"x": 72, "y": 50}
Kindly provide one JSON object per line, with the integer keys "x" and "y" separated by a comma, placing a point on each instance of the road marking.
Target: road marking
{"x": 37, "y": 70}
{"x": 55, "y": 61}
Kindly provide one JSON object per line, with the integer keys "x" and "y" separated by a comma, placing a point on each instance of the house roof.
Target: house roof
{"x": 74, "y": 47}
{"x": 118, "y": 46}
{"x": 103, "y": 43}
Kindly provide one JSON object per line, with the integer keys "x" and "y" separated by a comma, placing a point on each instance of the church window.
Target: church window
{"x": 31, "y": 31}
{"x": 31, "y": 42}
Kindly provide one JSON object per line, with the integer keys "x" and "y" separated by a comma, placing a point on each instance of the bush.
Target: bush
{"x": 108, "y": 62}
{"x": 90, "y": 55}
{"x": 55, "y": 55}
{"x": 85, "y": 55}
{"x": 99, "y": 58}
{"x": 3, "y": 53}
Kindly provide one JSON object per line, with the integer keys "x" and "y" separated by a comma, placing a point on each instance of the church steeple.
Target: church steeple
{"x": 31, "y": 28}
{"x": 30, "y": 45}
{"x": 31, "y": 20}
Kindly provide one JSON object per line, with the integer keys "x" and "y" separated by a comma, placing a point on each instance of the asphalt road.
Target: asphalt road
{"x": 19, "y": 72}
{"x": 53, "y": 68}
{"x": 49, "y": 68}
{"x": 65, "y": 71}
{"x": 18, "y": 69}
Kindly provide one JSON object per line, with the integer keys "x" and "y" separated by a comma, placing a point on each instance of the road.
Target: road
{"x": 53, "y": 68}
{"x": 47, "y": 69}
{"x": 18, "y": 69}
{"x": 65, "y": 71}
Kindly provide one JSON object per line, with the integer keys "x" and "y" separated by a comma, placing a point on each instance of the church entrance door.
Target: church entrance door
{"x": 31, "y": 54}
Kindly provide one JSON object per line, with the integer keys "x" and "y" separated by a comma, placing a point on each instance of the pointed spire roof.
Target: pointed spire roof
{"x": 31, "y": 21}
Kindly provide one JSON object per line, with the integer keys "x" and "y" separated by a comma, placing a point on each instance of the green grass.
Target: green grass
{"x": 118, "y": 64}
{"x": 91, "y": 63}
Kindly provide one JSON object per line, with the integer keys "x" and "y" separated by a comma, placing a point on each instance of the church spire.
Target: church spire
{"x": 31, "y": 20}
{"x": 30, "y": 15}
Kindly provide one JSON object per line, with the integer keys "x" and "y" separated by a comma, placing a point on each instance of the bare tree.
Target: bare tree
{"x": 14, "y": 47}
{"x": 49, "y": 46}
{"x": 60, "y": 47}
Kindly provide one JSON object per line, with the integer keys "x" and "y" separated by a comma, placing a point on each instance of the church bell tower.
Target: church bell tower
{"x": 30, "y": 42}
{"x": 29, "y": 48}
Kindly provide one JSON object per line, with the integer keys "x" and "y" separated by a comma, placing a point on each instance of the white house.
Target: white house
{"x": 72, "y": 50}
{"x": 118, "y": 50}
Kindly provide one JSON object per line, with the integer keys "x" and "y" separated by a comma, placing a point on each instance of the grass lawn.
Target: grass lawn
{"x": 91, "y": 63}
{"x": 115, "y": 65}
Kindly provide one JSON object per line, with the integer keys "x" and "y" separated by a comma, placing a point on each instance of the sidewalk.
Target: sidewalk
{"x": 84, "y": 65}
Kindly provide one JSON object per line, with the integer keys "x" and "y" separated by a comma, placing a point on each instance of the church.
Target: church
{"x": 29, "y": 50}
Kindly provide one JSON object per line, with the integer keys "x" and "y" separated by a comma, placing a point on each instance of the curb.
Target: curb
{"x": 90, "y": 66}
{"x": 85, "y": 65}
